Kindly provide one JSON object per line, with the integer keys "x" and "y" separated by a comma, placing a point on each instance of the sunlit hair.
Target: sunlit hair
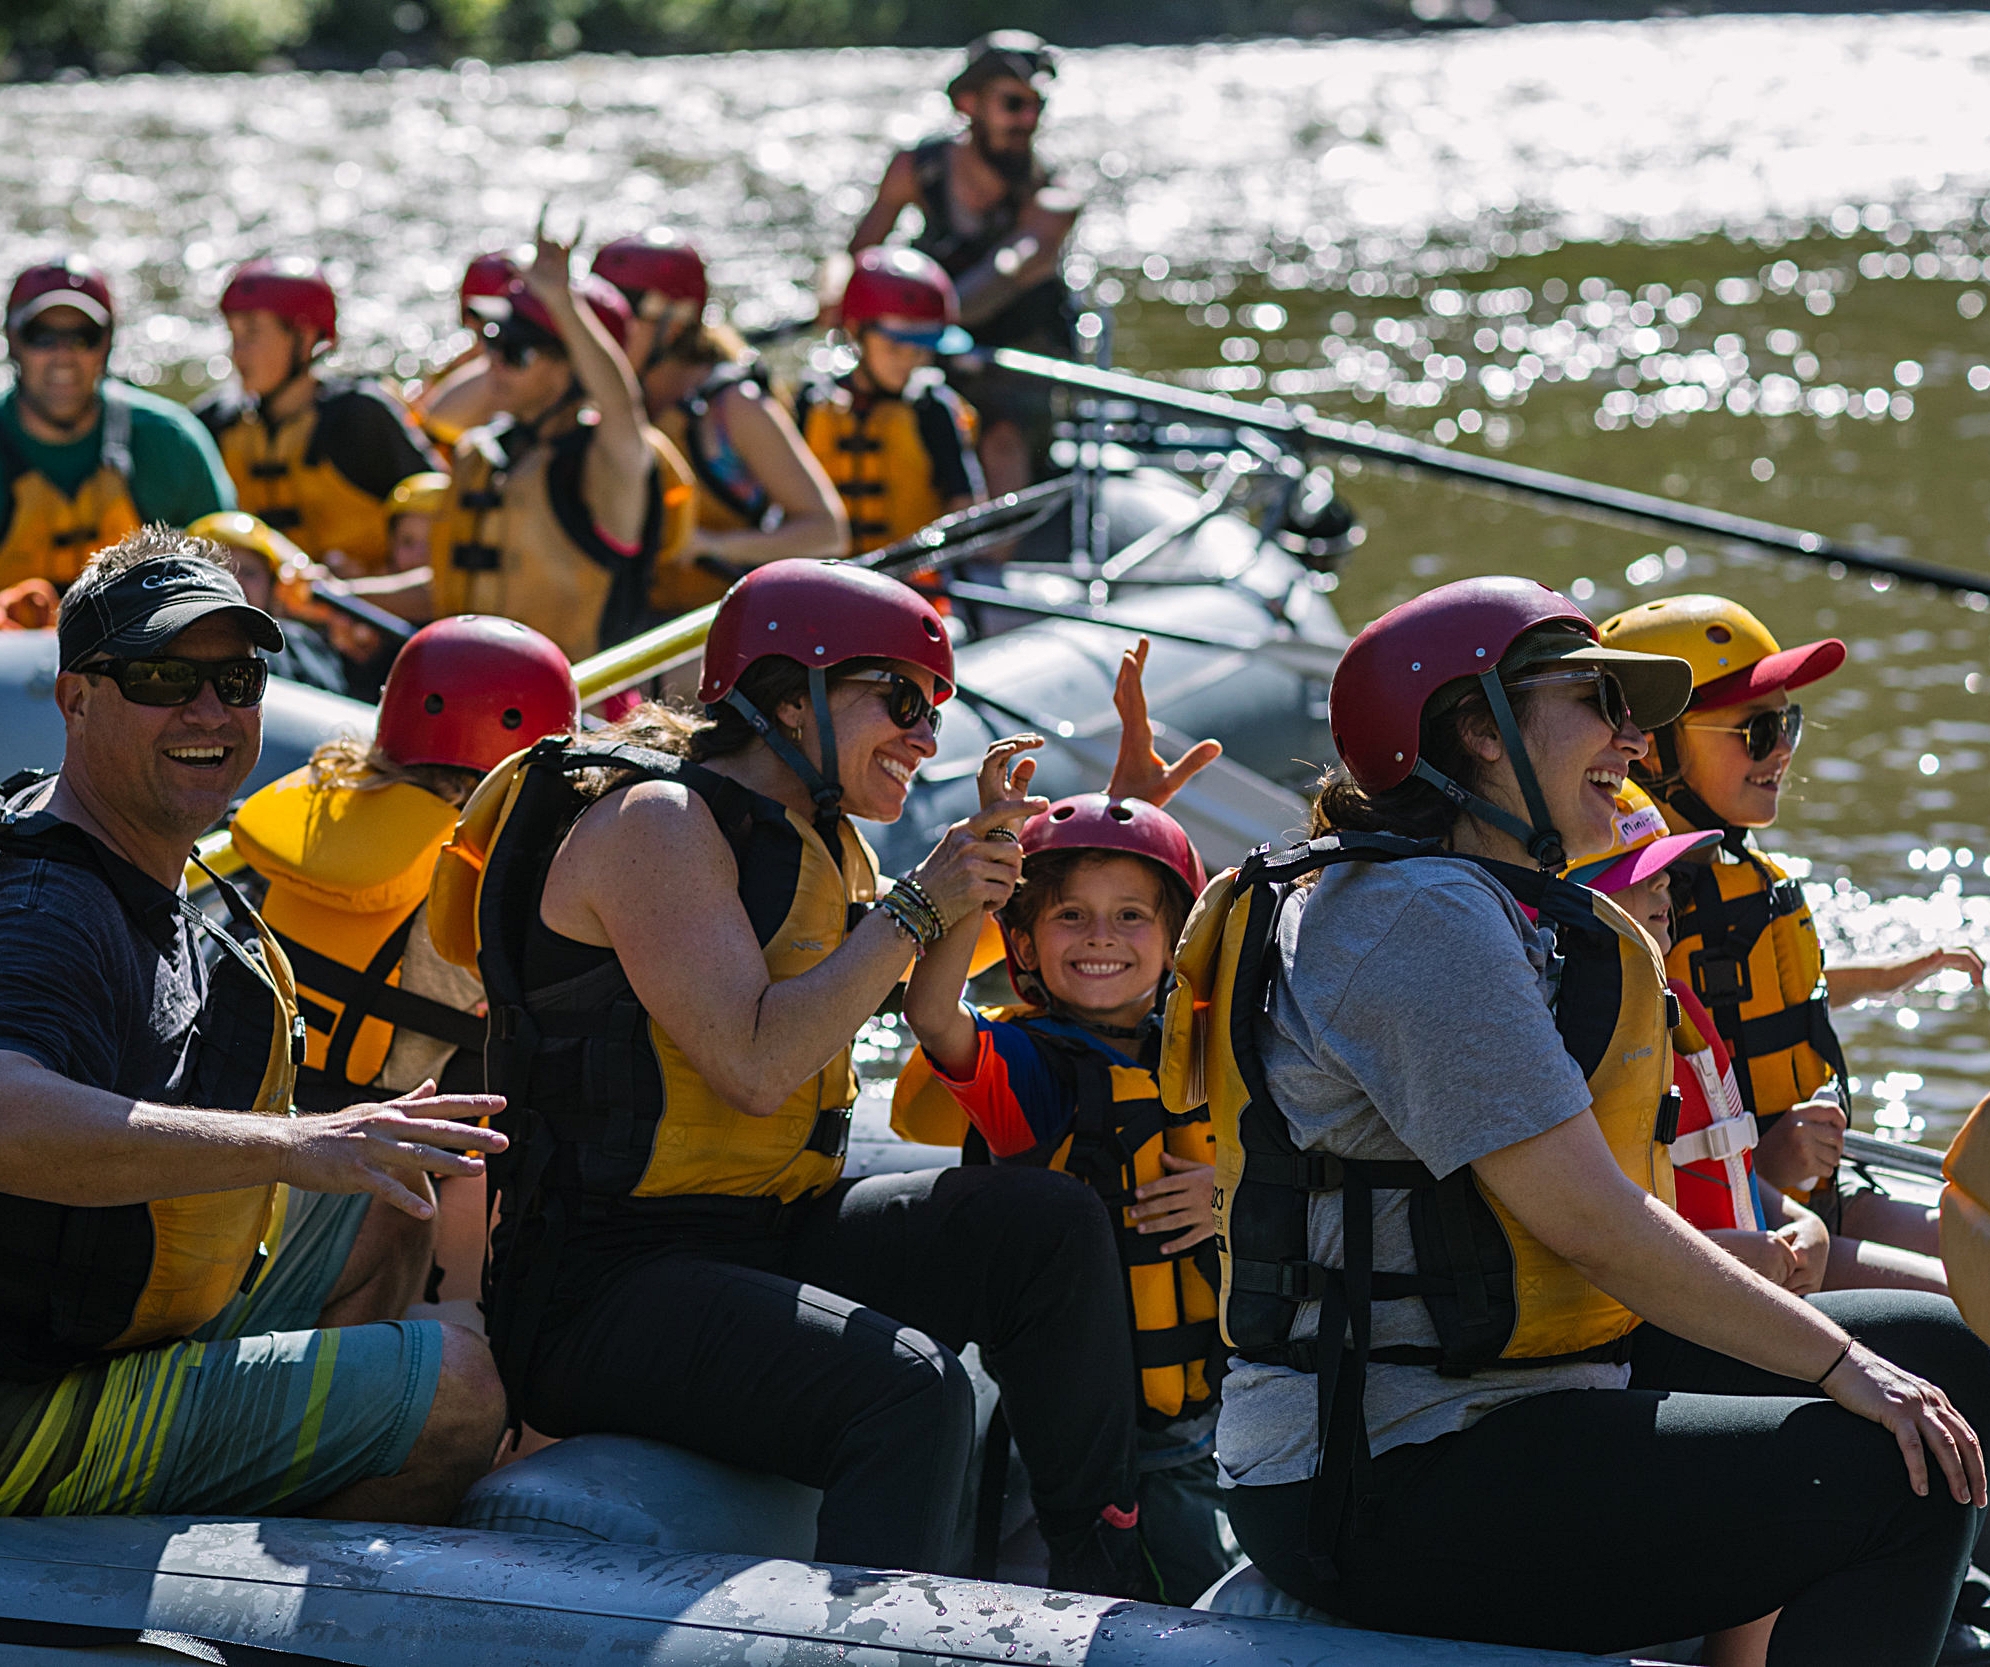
{"x": 149, "y": 543}
{"x": 350, "y": 762}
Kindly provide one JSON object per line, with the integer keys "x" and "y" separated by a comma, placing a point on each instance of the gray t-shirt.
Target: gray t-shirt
{"x": 1409, "y": 1019}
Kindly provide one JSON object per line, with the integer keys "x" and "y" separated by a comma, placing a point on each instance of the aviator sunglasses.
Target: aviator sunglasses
{"x": 1763, "y": 731}
{"x": 1608, "y": 692}
{"x": 45, "y": 338}
{"x": 166, "y": 680}
{"x": 904, "y": 700}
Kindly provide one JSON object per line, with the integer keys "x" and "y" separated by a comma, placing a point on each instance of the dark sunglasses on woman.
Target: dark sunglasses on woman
{"x": 167, "y": 680}
{"x": 1607, "y": 692}
{"x": 904, "y": 700}
{"x": 1763, "y": 732}
{"x": 45, "y": 338}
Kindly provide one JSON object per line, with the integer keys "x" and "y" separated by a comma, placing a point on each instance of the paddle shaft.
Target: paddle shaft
{"x": 1354, "y": 440}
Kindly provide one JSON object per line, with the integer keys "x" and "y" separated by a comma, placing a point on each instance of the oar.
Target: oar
{"x": 391, "y": 626}
{"x": 1379, "y": 447}
{"x": 1309, "y": 659}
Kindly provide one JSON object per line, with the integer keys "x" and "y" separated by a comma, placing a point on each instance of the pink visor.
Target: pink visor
{"x": 1787, "y": 668}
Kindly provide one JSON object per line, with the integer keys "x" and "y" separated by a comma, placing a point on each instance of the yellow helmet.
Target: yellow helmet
{"x": 1640, "y": 845}
{"x": 1733, "y": 656}
{"x": 423, "y": 494}
{"x": 240, "y": 530}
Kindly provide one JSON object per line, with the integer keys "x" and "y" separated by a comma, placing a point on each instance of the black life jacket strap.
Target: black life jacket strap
{"x": 364, "y": 993}
{"x": 820, "y": 783}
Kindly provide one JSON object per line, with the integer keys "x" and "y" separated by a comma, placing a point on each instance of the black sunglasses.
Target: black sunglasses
{"x": 904, "y": 700}
{"x": 1763, "y": 731}
{"x": 1014, "y": 104}
{"x": 45, "y": 338}
{"x": 512, "y": 351}
{"x": 167, "y": 680}
{"x": 1607, "y": 691}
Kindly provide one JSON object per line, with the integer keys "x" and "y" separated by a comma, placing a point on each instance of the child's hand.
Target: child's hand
{"x": 1182, "y": 1201}
{"x": 1005, "y": 777}
{"x": 1140, "y": 772}
{"x": 551, "y": 271}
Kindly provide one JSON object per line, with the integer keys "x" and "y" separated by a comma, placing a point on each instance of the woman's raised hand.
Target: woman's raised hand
{"x": 1140, "y": 772}
{"x": 1919, "y": 1415}
{"x": 551, "y": 271}
{"x": 1006, "y": 771}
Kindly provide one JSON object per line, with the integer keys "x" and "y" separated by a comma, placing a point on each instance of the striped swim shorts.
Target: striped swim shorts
{"x": 257, "y": 1412}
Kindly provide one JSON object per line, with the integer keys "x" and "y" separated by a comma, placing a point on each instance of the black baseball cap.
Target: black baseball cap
{"x": 139, "y": 611}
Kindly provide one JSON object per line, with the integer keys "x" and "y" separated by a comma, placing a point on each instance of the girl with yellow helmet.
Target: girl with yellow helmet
{"x": 1746, "y": 942}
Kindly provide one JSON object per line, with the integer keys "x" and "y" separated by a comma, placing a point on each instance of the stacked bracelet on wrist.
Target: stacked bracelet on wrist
{"x": 912, "y": 912}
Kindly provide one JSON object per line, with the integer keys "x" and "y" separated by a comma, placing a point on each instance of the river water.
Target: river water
{"x": 1739, "y": 261}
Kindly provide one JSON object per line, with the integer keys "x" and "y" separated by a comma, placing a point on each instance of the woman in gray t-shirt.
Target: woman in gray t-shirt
{"x": 1412, "y": 1019}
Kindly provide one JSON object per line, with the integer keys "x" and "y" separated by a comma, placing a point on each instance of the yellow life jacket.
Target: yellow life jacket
{"x": 50, "y": 535}
{"x": 1117, "y": 1138}
{"x": 516, "y": 540}
{"x": 281, "y": 479}
{"x": 874, "y": 453}
{"x": 104, "y": 1280}
{"x": 729, "y": 498}
{"x": 348, "y": 870}
{"x": 1496, "y": 1295}
{"x": 1966, "y": 1220}
{"x": 1745, "y": 941}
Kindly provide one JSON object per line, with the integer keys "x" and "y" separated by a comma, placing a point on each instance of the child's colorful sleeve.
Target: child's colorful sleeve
{"x": 1013, "y": 1096}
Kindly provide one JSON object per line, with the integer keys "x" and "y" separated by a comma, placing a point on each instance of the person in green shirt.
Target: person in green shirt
{"x": 86, "y": 460}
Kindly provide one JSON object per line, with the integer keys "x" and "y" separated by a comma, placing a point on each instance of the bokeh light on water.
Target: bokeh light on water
{"x": 1737, "y": 261}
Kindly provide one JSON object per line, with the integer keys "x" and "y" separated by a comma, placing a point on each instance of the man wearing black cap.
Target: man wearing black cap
{"x": 198, "y": 1289}
{"x": 997, "y": 222}
{"x": 84, "y": 459}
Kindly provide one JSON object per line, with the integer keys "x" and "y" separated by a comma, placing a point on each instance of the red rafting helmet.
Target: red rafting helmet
{"x": 905, "y": 285}
{"x": 653, "y": 269}
{"x": 69, "y": 282}
{"x": 818, "y": 614}
{"x": 601, "y": 298}
{"x": 1098, "y": 822}
{"x": 487, "y": 275}
{"x": 295, "y": 290}
{"x": 471, "y": 690}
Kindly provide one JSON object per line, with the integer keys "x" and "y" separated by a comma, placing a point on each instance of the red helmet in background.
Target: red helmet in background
{"x": 906, "y": 286}
{"x": 487, "y": 275}
{"x": 293, "y": 289}
{"x": 69, "y": 282}
{"x": 819, "y": 613}
{"x": 653, "y": 269}
{"x": 471, "y": 690}
{"x": 601, "y": 298}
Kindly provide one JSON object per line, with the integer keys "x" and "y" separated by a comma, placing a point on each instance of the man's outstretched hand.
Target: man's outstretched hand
{"x": 388, "y": 1149}
{"x": 1140, "y": 772}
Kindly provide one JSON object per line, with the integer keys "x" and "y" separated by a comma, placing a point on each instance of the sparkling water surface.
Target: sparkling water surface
{"x": 1738, "y": 261}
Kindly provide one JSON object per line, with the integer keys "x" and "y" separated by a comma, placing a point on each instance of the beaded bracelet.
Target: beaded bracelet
{"x": 924, "y": 899}
{"x": 901, "y": 915}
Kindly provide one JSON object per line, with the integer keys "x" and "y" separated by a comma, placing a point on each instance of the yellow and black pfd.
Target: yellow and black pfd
{"x": 348, "y": 866}
{"x": 1745, "y": 940}
{"x": 322, "y": 476}
{"x": 730, "y": 497}
{"x": 1119, "y": 1132}
{"x": 516, "y": 539}
{"x": 79, "y": 1284}
{"x": 609, "y": 1119}
{"x": 898, "y": 462}
{"x": 1496, "y": 1295}
{"x": 51, "y": 534}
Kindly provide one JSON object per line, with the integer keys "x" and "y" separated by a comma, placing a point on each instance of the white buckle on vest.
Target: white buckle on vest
{"x": 1717, "y": 1142}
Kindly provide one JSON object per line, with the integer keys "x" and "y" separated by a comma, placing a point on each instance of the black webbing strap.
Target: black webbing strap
{"x": 830, "y": 1138}
{"x": 1179, "y": 1345}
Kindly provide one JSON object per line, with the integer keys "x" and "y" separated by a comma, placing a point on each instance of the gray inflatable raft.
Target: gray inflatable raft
{"x": 161, "y": 1589}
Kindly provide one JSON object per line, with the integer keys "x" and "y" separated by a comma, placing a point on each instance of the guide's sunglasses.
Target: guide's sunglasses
{"x": 904, "y": 700}
{"x": 1606, "y": 690}
{"x": 166, "y": 680}
{"x": 1017, "y": 104}
{"x": 1763, "y": 732}
{"x": 45, "y": 338}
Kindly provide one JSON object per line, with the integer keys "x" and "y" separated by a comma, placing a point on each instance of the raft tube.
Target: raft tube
{"x": 384, "y": 1595}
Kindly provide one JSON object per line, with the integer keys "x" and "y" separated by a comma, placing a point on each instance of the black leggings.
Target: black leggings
{"x": 825, "y": 1354}
{"x": 1704, "y": 1496}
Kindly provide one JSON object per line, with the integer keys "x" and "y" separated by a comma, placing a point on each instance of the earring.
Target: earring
{"x": 796, "y": 732}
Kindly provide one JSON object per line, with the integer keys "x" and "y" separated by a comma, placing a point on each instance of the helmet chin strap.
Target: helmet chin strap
{"x": 821, "y": 783}
{"x": 1538, "y": 836}
{"x": 1669, "y": 787}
